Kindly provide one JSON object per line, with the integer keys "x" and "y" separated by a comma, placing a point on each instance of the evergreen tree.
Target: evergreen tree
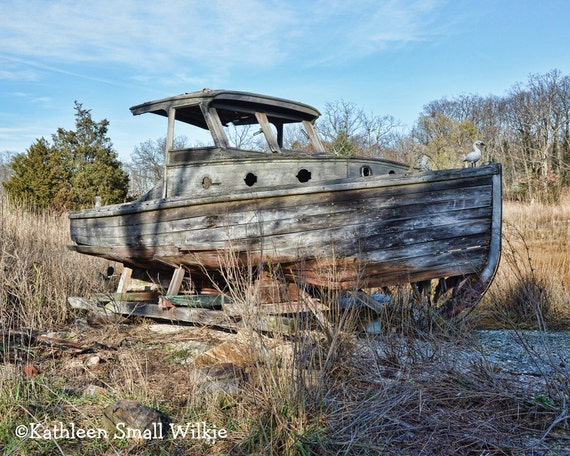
{"x": 80, "y": 165}
{"x": 38, "y": 175}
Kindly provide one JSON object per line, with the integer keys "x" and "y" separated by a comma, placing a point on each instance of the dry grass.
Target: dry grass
{"x": 545, "y": 230}
{"x": 37, "y": 271}
{"x": 403, "y": 392}
{"x": 532, "y": 286}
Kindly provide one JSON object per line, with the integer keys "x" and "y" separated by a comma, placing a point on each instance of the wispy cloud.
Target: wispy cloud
{"x": 31, "y": 98}
{"x": 34, "y": 74}
{"x": 143, "y": 33}
{"x": 218, "y": 34}
{"x": 367, "y": 27}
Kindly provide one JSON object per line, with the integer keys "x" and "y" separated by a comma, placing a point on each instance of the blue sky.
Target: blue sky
{"x": 387, "y": 57}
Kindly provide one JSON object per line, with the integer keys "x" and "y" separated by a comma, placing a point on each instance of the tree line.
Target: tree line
{"x": 527, "y": 130}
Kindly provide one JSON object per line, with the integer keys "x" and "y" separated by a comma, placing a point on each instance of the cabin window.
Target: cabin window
{"x": 250, "y": 179}
{"x": 303, "y": 175}
{"x": 365, "y": 171}
{"x": 392, "y": 172}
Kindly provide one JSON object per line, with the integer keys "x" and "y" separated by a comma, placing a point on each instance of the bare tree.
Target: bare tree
{"x": 5, "y": 169}
{"x": 347, "y": 130}
{"x": 147, "y": 163}
{"x": 243, "y": 136}
{"x": 528, "y": 130}
{"x": 444, "y": 140}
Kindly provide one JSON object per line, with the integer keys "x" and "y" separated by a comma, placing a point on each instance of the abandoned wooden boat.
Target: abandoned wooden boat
{"x": 322, "y": 220}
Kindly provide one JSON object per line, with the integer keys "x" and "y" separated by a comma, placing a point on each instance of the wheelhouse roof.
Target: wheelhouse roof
{"x": 234, "y": 107}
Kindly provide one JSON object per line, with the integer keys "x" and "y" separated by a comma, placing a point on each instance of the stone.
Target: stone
{"x": 234, "y": 352}
{"x": 93, "y": 361}
{"x": 94, "y": 390}
{"x": 220, "y": 379}
{"x": 133, "y": 420}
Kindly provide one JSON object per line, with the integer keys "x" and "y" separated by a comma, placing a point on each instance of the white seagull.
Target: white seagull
{"x": 475, "y": 155}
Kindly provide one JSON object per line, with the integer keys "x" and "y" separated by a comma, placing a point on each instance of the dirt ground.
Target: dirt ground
{"x": 98, "y": 360}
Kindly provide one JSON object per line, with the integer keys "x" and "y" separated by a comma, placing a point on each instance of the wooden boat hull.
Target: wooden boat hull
{"x": 373, "y": 231}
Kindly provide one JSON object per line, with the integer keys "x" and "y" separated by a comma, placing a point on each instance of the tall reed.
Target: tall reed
{"x": 37, "y": 270}
{"x": 533, "y": 280}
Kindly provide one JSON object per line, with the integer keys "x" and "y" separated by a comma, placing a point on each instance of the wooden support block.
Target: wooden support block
{"x": 125, "y": 280}
{"x": 176, "y": 281}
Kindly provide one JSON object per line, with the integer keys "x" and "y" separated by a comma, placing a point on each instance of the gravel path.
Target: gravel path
{"x": 526, "y": 352}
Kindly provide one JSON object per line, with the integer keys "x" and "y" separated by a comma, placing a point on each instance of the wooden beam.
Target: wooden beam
{"x": 198, "y": 316}
{"x": 168, "y": 149}
{"x": 125, "y": 280}
{"x": 215, "y": 126}
{"x": 313, "y": 137}
{"x": 176, "y": 281}
{"x": 268, "y": 132}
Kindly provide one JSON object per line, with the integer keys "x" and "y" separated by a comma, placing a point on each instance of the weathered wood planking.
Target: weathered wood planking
{"x": 229, "y": 175}
{"x": 389, "y": 230}
{"x": 151, "y": 310}
{"x": 289, "y": 211}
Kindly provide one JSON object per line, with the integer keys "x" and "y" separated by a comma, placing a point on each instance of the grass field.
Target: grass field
{"x": 328, "y": 392}
{"x": 534, "y": 275}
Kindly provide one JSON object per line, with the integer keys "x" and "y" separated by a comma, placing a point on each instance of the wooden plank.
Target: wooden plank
{"x": 293, "y": 219}
{"x": 268, "y": 132}
{"x": 315, "y": 140}
{"x": 215, "y": 126}
{"x": 394, "y": 183}
{"x": 203, "y": 301}
{"x": 347, "y": 239}
{"x": 132, "y": 296}
{"x": 176, "y": 281}
{"x": 190, "y": 315}
{"x": 451, "y": 192}
{"x": 358, "y": 299}
{"x": 263, "y": 321}
{"x": 282, "y": 233}
{"x": 125, "y": 280}
{"x": 275, "y": 324}
{"x": 234, "y": 309}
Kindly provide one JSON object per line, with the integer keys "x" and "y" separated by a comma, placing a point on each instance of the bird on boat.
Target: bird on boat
{"x": 475, "y": 155}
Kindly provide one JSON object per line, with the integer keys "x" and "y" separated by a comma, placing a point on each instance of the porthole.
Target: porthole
{"x": 392, "y": 172}
{"x": 250, "y": 179}
{"x": 365, "y": 171}
{"x": 303, "y": 175}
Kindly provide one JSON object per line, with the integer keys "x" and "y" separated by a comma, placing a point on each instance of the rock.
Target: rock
{"x": 219, "y": 380}
{"x": 234, "y": 352}
{"x": 73, "y": 364}
{"x": 94, "y": 390}
{"x": 222, "y": 371}
{"x": 93, "y": 361}
{"x": 71, "y": 390}
{"x": 164, "y": 328}
{"x": 185, "y": 352}
{"x": 133, "y": 420}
